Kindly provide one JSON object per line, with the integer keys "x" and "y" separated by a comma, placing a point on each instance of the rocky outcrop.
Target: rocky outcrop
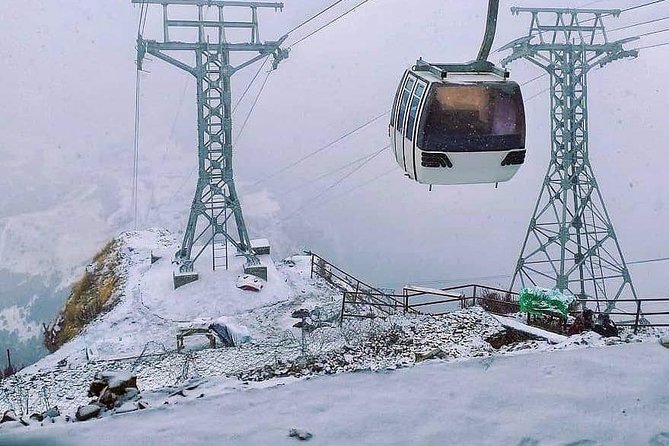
{"x": 111, "y": 391}
{"x": 94, "y": 294}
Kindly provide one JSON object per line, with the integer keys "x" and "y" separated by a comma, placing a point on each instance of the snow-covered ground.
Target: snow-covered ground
{"x": 604, "y": 396}
{"x": 240, "y": 396}
{"x": 146, "y": 320}
{"x": 150, "y": 309}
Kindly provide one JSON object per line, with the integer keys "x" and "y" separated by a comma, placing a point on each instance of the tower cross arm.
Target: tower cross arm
{"x": 618, "y": 52}
{"x": 520, "y": 48}
{"x": 153, "y": 48}
{"x": 221, "y": 3}
{"x": 271, "y": 48}
{"x": 612, "y": 12}
{"x": 192, "y": 46}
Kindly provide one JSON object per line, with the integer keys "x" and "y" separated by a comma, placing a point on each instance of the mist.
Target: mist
{"x": 66, "y": 144}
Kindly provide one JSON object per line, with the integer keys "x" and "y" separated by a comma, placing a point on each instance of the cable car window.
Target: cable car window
{"x": 468, "y": 118}
{"x": 413, "y": 110}
{"x": 393, "y": 116}
{"x": 406, "y": 94}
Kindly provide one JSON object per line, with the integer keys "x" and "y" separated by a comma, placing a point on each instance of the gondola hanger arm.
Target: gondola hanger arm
{"x": 490, "y": 30}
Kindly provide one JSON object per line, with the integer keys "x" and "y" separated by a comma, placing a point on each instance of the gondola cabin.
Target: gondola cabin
{"x": 458, "y": 128}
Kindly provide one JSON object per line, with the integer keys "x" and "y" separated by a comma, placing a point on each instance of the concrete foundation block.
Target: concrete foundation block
{"x": 181, "y": 279}
{"x": 259, "y": 271}
{"x": 260, "y": 246}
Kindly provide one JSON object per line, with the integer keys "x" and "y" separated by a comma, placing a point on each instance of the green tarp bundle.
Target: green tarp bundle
{"x": 542, "y": 300}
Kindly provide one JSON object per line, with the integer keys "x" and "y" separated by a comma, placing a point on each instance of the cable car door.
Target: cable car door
{"x": 414, "y": 106}
{"x": 398, "y": 134}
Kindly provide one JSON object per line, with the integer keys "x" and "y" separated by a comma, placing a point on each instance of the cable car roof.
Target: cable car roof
{"x": 459, "y": 77}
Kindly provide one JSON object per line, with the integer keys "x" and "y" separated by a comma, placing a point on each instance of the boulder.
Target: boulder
{"x": 121, "y": 381}
{"x": 665, "y": 341}
{"x": 300, "y": 434}
{"x": 52, "y": 412}
{"x": 107, "y": 398}
{"x": 9, "y": 415}
{"x": 96, "y": 387}
{"x": 116, "y": 382}
{"x": 87, "y": 412}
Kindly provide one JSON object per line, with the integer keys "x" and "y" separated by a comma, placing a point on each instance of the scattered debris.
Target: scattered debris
{"x": 53, "y": 412}
{"x": 300, "y": 434}
{"x": 395, "y": 343}
{"x": 508, "y": 337}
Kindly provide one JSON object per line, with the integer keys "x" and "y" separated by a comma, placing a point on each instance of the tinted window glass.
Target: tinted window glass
{"x": 400, "y": 88}
{"x": 406, "y": 94}
{"x": 474, "y": 117}
{"x": 413, "y": 110}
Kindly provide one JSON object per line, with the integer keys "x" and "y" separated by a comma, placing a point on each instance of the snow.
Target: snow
{"x": 568, "y": 397}
{"x": 15, "y": 319}
{"x": 239, "y": 334}
{"x": 151, "y": 309}
{"x": 551, "y": 337}
{"x": 139, "y": 333}
{"x": 138, "y": 336}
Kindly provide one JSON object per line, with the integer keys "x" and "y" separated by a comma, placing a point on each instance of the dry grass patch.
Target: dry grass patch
{"x": 92, "y": 295}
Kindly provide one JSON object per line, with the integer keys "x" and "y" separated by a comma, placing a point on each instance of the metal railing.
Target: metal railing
{"x": 361, "y": 300}
{"x": 638, "y": 311}
{"x": 441, "y": 301}
{"x": 501, "y": 301}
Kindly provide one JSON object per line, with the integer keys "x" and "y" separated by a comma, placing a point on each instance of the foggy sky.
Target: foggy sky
{"x": 66, "y": 136}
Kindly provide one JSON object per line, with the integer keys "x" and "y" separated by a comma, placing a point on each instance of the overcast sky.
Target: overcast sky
{"x": 66, "y": 139}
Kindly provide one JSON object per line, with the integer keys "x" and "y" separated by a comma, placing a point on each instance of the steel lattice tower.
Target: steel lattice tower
{"x": 216, "y": 200}
{"x": 570, "y": 243}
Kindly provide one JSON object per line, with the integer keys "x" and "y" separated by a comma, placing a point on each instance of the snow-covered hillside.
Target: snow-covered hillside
{"x": 149, "y": 312}
{"x": 77, "y": 193}
{"x": 200, "y": 384}
{"x": 150, "y": 309}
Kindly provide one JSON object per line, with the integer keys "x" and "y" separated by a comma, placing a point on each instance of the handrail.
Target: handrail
{"x": 359, "y": 293}
{"x": 363, "y": 294}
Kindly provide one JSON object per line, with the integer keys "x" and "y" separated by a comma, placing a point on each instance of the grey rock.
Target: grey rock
{"x": 52, "y": 412}
{"x": 87, "y": 412}
{"x": 300, "y": 434}
{"x": 9, "y": 415}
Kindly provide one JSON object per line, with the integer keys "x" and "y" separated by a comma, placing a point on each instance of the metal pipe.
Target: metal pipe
{"x": 490, "y": 29}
